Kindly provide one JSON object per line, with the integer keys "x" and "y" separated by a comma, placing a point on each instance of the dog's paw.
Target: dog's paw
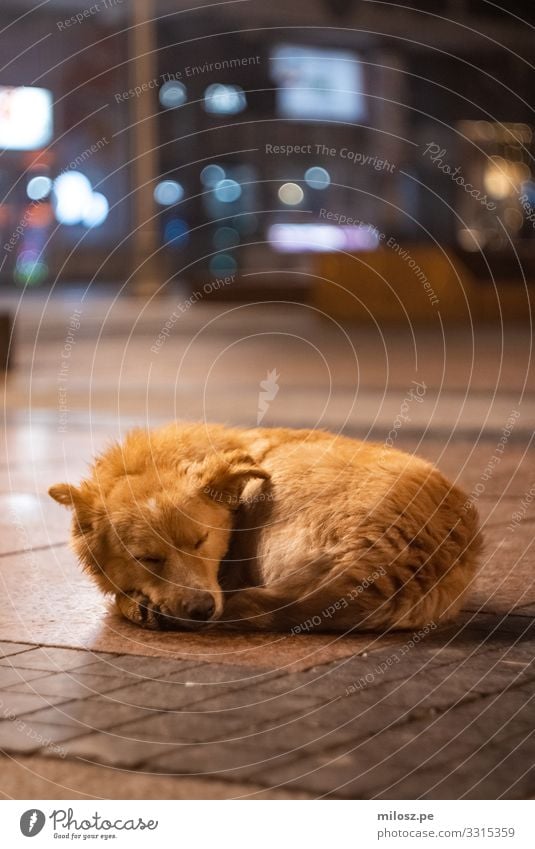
{"x": 139, "y": 609}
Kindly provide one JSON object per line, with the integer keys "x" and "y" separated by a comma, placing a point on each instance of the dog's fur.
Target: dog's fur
{"x": 279, "y": 529}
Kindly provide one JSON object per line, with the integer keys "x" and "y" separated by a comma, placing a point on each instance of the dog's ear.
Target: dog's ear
{"x": 222, "y": 479}
{"x": 66, "y": 494}
{"x": 84, "y": 500}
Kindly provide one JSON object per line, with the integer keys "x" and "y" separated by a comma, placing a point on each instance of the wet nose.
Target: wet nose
{"x": 200, "y": 606}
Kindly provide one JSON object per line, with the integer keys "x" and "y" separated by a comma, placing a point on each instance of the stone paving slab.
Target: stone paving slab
{"x": 136, "y": 669}
{"x": 237, "y": 760}
{"x": 8, "y": 649}
{"x": 18, "y": 704}
{"x": 163, "y": 694}
{"x": 28, "y": 519}
{"x": 24, "y": 737}
{"x": 174, "y": 728}
{"x": 96, "y": 713}
{"x": 379, "y": 765}
{"x": 72, "y": 685}
{"x": 35, "y": 777}
{"x": 499, "y": 768}
{"x": 24, "y": 478}
{"x": 477, "y": 745}
{"x": 111, "y": 749}
{"x": 350, "y": 728}
{"x": 17, "y": 677}
{"x": 50, "y": 659}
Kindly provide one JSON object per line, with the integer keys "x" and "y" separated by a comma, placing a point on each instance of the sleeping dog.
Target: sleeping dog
{"x": 197, "y": 525}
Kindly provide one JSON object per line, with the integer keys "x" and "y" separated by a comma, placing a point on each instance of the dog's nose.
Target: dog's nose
{"x": 200, "y": 606}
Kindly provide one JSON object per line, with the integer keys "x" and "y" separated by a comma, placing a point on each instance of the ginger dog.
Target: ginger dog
{"x": 268, "y": 529}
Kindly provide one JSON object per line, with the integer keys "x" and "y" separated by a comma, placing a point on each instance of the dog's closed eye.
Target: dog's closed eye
{"x": 200, "y": 542}
{"x": 151, "y": 561}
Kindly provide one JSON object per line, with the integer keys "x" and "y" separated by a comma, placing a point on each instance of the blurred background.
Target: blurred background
{"x": 198, "y": 197}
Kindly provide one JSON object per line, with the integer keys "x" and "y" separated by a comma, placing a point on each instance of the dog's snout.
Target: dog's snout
{"x": 200, "y": 606}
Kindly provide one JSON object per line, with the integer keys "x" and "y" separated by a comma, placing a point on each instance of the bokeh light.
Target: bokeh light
{"x": 227, "y": 191}
{"x": 30, "y": 269}
{"x": 291, "y": 194}
{"x": 176, "y": 232}
{"x": 212, "y": 174}
{"x": 173, "y": 94}
{"x": 226, "y": 237}
{"x": 97, "y": 210}
{"x": 224, "y": 99}
{"x": 223, "y": 264}
{"x": 39, "y": 188}
{"x": 168, "y": 192}
{"x": 317, "y": 178}
{"x": 72, "y": 194}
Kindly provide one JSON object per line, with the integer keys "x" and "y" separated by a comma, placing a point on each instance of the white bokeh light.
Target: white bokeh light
{"x": 75, "y": 202}
{"x": 97, "y": 211}
{"x": 39, "y": 188}
{"x": 291, "y": 194}
{"x": 224, "y": 99}
{"x": 72, "y": 193}
{"x": 26, "y": 121}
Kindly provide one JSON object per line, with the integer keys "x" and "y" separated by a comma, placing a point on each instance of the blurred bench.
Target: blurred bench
{"x": 412, "y": 282}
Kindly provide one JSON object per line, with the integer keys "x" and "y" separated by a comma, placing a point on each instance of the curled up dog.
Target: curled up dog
{"x": 196, "y": 526}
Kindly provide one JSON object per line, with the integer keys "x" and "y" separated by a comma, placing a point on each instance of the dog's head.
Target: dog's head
{"x": 153, "y": 530}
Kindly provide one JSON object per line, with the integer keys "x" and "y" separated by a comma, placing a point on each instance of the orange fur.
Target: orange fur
{"x": 191, "y": 525}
